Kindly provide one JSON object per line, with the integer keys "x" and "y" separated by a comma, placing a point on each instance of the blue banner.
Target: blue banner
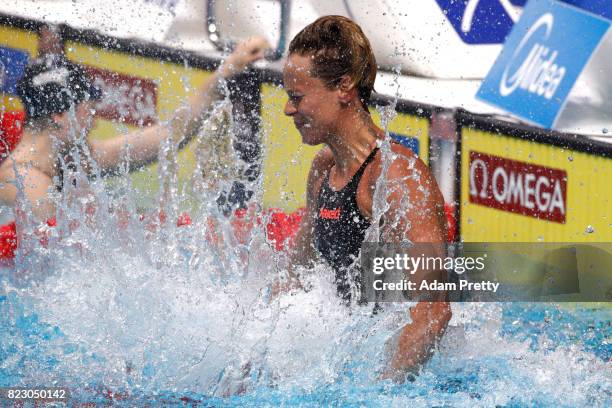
{"x": 410, "y": 142}
{"x": 600, "y": 7}
{"x": 481, "y": 21}
{"x": 541, "y": 60}
{"x": 12, "y": 67}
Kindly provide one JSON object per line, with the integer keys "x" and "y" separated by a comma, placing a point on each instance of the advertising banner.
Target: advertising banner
{"x": 518, "y": 187}
{"x": 600, "y": 7}
{"x": 17, "y": 47}
{"x": 525, "y": 185}
{"x": 12, "y": 66}
{"x": 128, "y": 99}
{"x": 481, "y": 22}
{"x": 541, "y": 60}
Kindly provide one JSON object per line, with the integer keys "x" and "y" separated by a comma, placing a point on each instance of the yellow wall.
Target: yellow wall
{"x": 589, "y": 194}
{"x": 287, "y": 160}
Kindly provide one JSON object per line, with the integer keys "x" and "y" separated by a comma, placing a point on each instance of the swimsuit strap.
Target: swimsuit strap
{"x": 354, "y": 181}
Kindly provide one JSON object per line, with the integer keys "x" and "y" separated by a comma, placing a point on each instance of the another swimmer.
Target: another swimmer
{"x": 59, "y": 100}
{"x": 329, "y": 76}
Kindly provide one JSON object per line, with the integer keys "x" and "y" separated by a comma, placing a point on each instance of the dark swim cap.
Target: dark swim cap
{"x": 52, "y": 85}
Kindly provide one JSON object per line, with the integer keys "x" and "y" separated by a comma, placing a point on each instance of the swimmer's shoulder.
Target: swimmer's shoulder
{"x": 324, "y": 159}
{"x": 322, "y": 163}
{"x": 405, "y": 164}
{"x": 409, "y": 170}
{"x": 407, "y": 159}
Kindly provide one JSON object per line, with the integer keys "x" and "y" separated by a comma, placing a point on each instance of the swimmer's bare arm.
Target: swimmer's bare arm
{"x": 144, "y": 144}
{"x": 36, "y": 185}
{"x": 423, "y": 222}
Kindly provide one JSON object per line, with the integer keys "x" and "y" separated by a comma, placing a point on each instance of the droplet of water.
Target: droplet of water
{"x": 589, "y": 229}
{"x": 470, "y": 221}
{"x": 570, "y": 158}
{"x": 604, "y": 131}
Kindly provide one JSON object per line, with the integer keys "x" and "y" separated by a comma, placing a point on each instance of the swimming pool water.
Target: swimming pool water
{"x": 534, "y": 355}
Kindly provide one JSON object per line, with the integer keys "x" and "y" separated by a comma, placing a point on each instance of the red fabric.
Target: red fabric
{"x": 280, "y": 229}
{"x": 449, "y": 210}
{"x": 11, "y": 127}
{"x": 183, "y": 219}
{"x": 8, "y": 240}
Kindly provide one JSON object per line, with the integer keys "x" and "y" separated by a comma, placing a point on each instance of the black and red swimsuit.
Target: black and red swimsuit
{"x": 340, "y": 227}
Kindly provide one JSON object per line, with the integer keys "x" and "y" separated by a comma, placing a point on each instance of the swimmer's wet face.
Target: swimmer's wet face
{"x": 329, "y": 76}
{"x": 312, "y": 105}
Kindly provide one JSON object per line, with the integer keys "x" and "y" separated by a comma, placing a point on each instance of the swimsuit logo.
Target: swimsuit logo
{"x": 328, "y": 214}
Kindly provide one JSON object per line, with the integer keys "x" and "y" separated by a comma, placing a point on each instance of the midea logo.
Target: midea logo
{"x": 538, "y": 73}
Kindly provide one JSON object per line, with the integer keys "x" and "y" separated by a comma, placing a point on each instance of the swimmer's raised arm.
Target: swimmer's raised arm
{"x": 144, "y": 144}
{"x": 422, "y": 222}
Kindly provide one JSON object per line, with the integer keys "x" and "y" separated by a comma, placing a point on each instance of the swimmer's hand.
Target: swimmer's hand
{"x": 245, "y": 53}
{"x": 418, "y": 339}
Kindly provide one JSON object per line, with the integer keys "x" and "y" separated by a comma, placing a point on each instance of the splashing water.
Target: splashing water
{"x": 157, "y": 313}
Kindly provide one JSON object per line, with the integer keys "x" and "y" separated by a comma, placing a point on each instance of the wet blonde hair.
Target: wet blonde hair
{"x": 339, "y": 48}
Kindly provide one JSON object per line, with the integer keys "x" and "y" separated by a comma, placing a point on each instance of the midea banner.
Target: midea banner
{"x": 541, "y": 60}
